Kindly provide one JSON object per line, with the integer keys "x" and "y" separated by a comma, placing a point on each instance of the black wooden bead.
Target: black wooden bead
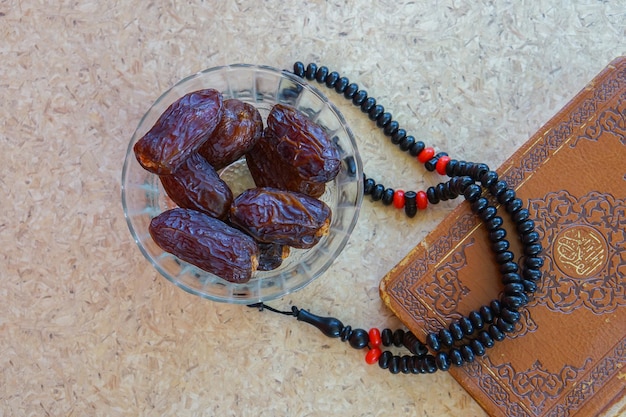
{"x": 510, "y": 277}
{"x": 520, "y": 217}
{"x": 533, "y": 249}
{"x": 456, "y": 331}
{"x": 531, "y": 274}
{"x": 446, "y": 337}
{"x": 443, "y": 361}
{"x": 529, "y": 286}
{"x": 533, "y": 262}
{"x": 431, "y": 164}
{"x": 404, "y": 364}
{"x": 509, "y": 315}
{"x": 345, "y": 334}
{"x": 460, "y": 169}
{"x": 476, "y": 319}
{"x": 350, "y": 165}
{"x": 431, "y": 194}
{"x": 398, "y": 337}
{"x": 489, "y": 178}
{"x": 488, "y": 213}
{"x": 383, "y": 120}
{"x": 430, "y": 364}
{"x": 299, "y": 69}
{"x": 385, "y": 359}
{"x": 500, "y": 246}
{"x": 406, "y": 143}
{"x": 368, "y": 186}
{"x": 432, "y": 340}
{"x": 414, "y": 365}
{"x": 359, "y": 97}
{"x": 311, "y": 69}
{"x": 410, "y": 203}
{"x": 497, "y": 235}
{"x": 386, "y": 337}
{"x": 498, "y": 188}
{"x": 494, "y": 223}
{"x": 486, "y": 339}
{"x": 521, "y": 295}
{"x": 413, "y": 344}
{"x": 368, "y": 104}
{"x": 375, "y": 112}
{"x": 504, "y": 257}
{"x": 377, "y": 192}
{"x": 514, "y": 205}
{"x": 394, "y": 364}
{"x": 530, "y": 237}
{"x": 387, "y": 197}
{"x": 496, "y": 334}
{"x": 391, "y": 128}
{"x": 479, "y": 205}
{"x": 359, "y": 339}
{"x": 331, "y": 79}
{"x": 495, "y": 308}
{"x": 513, "y": 287}
{"x": 467, "y": 353}
{"x": 506, "y": 196}
{"x": 450, "y": 167}
{"x": 321, "y": 74}
{"x": 440, "y": 190}
{"x": 479, "y": 170}
{"x": 350, "y": 90}
{"x": 455, "y": 357}
{"x": 466, "y": 326}
{"x": 398, "y": 136}
{"x": 472, "y": 193}
{"x": 341, "y": 84}
{"x": 505, "y": 326}
{"x": 509, "y": 267}
{"x": 416, "y": 148}
{"x": 421, "y": 365}
{"x": 486, "y": 313}
{"x": 477, "y": 347}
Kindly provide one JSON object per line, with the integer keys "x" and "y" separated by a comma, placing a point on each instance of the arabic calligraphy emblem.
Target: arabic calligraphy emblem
{"x": 580, "y": 251}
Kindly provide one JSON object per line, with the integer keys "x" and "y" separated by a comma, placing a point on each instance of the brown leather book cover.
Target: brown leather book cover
{"x": 567, "y": 356}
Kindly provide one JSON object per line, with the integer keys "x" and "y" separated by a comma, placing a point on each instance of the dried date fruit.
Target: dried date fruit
{"x": 207, "y": 243}
{"x": 303, "y": 144}
{"x": 271, "y": 255}
{"x": 196, "y": 185}
{"x": 237, "y": 132}
{"x": 269, "y": 171}
{"x": 281, "y": 217}
{"x": 179, "y": 131}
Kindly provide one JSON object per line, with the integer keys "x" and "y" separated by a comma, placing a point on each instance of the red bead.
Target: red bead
{"x": 422, "y": 200}
{"x": 398, "y": 199}
{"x": 374, "y": 336}
{"x": 441, "y": 165}
{"x": 372, "y": 356}
{"x": 426, "y": 155}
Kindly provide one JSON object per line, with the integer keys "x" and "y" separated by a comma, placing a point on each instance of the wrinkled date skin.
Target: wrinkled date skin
{"x": 207, "y": 243}
{"x": 179, "y": 131}
{"x": 281, "y": 217}
{"x": 268, "y": 170}
{"x": 303, "y": 144}
{"x": 271, "y": 255}
{"x": 239, "y": 129}
{"x": 196, "y": 185}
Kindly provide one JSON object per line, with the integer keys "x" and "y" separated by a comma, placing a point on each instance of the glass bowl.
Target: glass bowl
{"x": 143, "y": 196}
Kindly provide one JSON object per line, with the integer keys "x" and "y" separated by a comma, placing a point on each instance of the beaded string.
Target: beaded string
{"x": 470, "y": 336}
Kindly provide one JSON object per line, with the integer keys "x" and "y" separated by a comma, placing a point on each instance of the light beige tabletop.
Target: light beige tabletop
{"x": 88, "y": 327}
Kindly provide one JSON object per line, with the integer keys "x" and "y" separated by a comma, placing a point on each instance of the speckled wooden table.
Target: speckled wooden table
{"x": 88, "y": 327}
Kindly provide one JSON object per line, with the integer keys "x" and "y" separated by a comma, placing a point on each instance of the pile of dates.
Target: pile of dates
{"x": 291, "y": 160}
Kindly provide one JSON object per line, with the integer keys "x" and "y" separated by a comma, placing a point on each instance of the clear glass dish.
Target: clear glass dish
{"x": 143, "y": 196}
